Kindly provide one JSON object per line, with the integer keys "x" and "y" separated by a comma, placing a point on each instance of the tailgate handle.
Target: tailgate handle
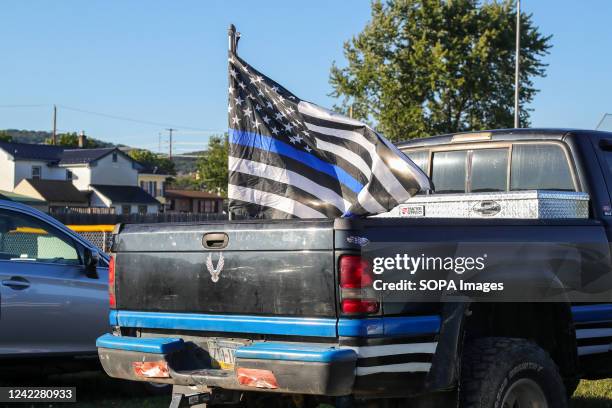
{"x": 215, "y": 240}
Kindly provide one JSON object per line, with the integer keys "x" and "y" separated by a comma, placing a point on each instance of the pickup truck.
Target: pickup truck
{"x": 263, "y": 313}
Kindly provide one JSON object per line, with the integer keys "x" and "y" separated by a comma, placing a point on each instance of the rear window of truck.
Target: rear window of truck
{"x": 522, "y": 166}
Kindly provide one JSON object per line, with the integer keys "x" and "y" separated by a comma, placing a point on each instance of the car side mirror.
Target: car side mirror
{"x": 92, "y": 258}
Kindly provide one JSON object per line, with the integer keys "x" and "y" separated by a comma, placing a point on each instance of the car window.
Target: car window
{"x": 540, "y": 167}
{"x": 25, "y": 238}
{"x": 448, "y": 171}
{"x": 489, "y": 170}
{"x": 419, "y": 157}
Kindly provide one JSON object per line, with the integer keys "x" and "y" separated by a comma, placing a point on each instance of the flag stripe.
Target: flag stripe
{"x": 379, "y": 167}
{"x": 276, "y": 201}
{"x": 263, "y": 156}
{"x": 285, "y": 190}
{"x": 289, "y": 177}
{"x": 276, "y": 146}
{"x": 352, "y": 158}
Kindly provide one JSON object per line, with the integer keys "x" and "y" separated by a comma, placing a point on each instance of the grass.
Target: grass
{"x": 95, "y": 389}
{"x": 593, "y": 394}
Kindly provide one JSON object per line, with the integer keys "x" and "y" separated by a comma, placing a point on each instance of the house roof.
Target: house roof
{"x": 58, "y": 191}
{"x": 84, "y": 156}
{"x": 190, "y": 194}
{"x": 27, "y": 151}
{"x": 19, "y": 198}
{"x": 125, "y": 194}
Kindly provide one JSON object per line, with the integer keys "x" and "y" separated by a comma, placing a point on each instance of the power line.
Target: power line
{"x": 147, "y": 122}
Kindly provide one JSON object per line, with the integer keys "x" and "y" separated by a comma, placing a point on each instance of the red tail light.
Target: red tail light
{"x": 356, "y": 293}
{"x": 354, "y": 272}
{"x": 365, "y": 306}
{"x": 111, "y": 283}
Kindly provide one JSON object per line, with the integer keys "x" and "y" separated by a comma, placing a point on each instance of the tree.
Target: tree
{"x": 424, "y": 67}
{"x": 72, "y": 140}
{"x": 4, "y": 136}
{"x": 212, "y": 166}
{"x": 152, "y": 160}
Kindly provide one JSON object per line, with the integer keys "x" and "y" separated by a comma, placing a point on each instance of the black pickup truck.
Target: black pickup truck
{"x": 264, "y": 313}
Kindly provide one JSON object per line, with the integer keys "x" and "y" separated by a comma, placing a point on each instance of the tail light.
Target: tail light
{"x": 356, "y": 292}
{"x": 111, "y": 283}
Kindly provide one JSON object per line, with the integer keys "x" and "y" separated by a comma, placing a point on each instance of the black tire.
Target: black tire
{"x": 152, "y": 388}
{"x": 497, "y": 368}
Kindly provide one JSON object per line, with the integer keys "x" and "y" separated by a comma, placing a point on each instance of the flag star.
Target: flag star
{"x": 269, "y": 105}
{"x": 233, "y": 72}
{"x": 298, "y": 138}
{"x": 288, "y": 127}
{"x": 308, "y": 149}
{"x": 241, "y": 84}
{"x": 280, "y": 98}
{"x": 260, "y": 93}
{"x": 247, "y": 111}
{"x": 229, "y": 108}
{"x": 278, "y": 116}
{"x": 258, "y": 78}
{"x": 238, "y": 100}
{"x": 275, "y": 88}
{"x": 256, "y": 123}
{"x": 291, "y": 110}
{"x": 231, "y": 89}
{"x": 292, "y": 97}
{"x": 257, "y": 108}
{"x": 274, "y": 130}
{"x": 231, "y": 59}
{"x": 266, "y": 119}
{"x": 235, "y": 119}
{"x": 251, "y": 97}
{"x": 292, "y": 139}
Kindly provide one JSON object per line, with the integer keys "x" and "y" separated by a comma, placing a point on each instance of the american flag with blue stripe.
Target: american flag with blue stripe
{"x": 289, "y": 158}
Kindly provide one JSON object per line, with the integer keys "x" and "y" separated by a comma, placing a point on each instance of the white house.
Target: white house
{"x": 19, "y": 161}
{"x": 84, "y": 168}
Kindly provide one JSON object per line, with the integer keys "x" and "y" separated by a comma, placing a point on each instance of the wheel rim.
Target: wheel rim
{"x": 524, "y": 393}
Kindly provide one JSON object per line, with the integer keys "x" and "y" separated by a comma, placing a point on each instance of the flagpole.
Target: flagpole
{"x": 232, "y": 38}
{"x": 517, "y": 64}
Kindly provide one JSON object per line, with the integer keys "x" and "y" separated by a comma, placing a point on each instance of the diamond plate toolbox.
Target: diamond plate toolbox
{"x": 531, "y": 204}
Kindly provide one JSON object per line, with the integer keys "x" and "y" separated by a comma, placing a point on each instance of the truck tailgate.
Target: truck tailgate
{"x": 266, "y": 268}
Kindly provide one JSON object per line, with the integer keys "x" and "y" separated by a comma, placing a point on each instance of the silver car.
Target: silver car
{"x": 53, "y": 289}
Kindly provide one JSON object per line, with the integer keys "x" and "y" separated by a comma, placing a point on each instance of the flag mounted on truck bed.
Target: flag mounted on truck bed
{"x": 289, "y": 158}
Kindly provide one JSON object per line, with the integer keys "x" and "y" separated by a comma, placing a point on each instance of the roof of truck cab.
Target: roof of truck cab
{"x": 500, "y": 135}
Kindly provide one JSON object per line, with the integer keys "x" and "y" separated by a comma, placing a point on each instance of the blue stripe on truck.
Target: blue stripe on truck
{"x": 145, "y": 345}
{"x": 291, "y": 326}
{"x": 389, "y": 326}
{"x": 592, "y": 313}
{"x": 295, "y": 352}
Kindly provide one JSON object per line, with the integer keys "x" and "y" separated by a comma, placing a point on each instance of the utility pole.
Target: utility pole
{"x": 54, "y": 134}
{"x": 158, "y": 142}
{"x": 170, "y": 130}
{"x": 517, "y": 64}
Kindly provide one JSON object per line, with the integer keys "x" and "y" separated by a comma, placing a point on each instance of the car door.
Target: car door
{"x": 47, "y": 302}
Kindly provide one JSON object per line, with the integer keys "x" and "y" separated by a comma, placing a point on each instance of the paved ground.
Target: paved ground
{"x": 97, "y": 390}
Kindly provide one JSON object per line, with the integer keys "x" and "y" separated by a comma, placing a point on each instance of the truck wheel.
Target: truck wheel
{"x": 502, "y": 372}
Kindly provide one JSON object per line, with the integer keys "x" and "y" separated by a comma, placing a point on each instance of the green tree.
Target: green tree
{"x": 72, "y": 140}
{"x": 4, "y": 136}
{"x": 423, "y": 67}
{"x": 212, "y": 166}
{"x": 152, "y": 160}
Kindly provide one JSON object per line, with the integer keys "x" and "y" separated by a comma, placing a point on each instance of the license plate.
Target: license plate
{"x": 223, "y": 352}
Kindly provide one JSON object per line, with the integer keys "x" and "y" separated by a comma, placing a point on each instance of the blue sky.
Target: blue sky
{"x": 165, "y": 62}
